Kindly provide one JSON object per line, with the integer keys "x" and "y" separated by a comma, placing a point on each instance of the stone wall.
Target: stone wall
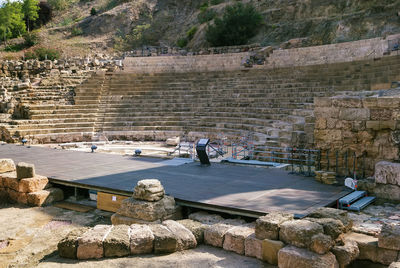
{"x": 368, "y": 126}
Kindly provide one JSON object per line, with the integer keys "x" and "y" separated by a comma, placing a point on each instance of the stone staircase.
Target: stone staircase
{"x": 274, "y": 105}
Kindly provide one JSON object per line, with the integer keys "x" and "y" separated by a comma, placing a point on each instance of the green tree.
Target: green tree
{"x": 11, "y": 20}
{"x": 238, "y": 24}
{"x": 30, "y": 9}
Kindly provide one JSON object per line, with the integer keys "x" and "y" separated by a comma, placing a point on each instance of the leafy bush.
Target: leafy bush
{"x": 182, "y": 42}
{"x": 42, "y": 53}
{"x": 192, "y": 31}
{"x": 75, "y": 31}
{"x": 31, "y": 38}
{"x": 203, "y": 6}
{"x": 216, "y": 2}
{"x": 93, "y": 12}
{"x": 238, "y": 24}
{"x": 207, "y": 15}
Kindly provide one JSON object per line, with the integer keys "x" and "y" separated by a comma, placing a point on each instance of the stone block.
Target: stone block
{"x": 149, "y": 190}
{"x": 164, "y": 240}
{"x": 389, "y": 236}
{"x": 45, "y": 197}
{"x": 90, "y": 244}
{"x": 68, "y": 246}
{"x": 369, "y": 250}
{"x": 333, "y": 213}
{"x": 185, "y": 237}
{"x": 299, "y": 232}
{"x": 333, "y": 228}
{"x": 17, "y": 196}
{"x": 214, "y": 234}
{"x": 387, "y": 173}
{"x": 142, "y": 239}
{"x": 346, "y": 254}
{"x": 270, "y": 249}
{"x": 11, "y": 183}
{"x": 322, "y": 101}
{"x": 354, "y": 114}
{"x": 6, "y": 165}
{"x": 25, "y": 170}
{"x": 235, "y": 239}
{"x": 267, "y": 227}
{"x": 148, "y": 211}
{"x": 290, "y": 257}
{"x": 117, "y": 242}
{"x": 347, "y": 102}
{"x": 205, "y": 217}
{"x": 388, "y": 102}
{"x": 253, "y": 247}
{"x": 173, "y": 141}
{"x": 197, "y": 229}
{"x": 29, "y": 185}
{"x": 381, "y": 114}
{"x": 119, "y": 219}
{"x": 326, "y": 112}
{"x": 321, "y": 243}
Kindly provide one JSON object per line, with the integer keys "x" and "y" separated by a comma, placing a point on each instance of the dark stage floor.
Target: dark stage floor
{"x": 241, "y": 188}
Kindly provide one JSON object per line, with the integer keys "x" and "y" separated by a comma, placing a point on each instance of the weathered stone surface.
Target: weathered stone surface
{"x": 394, "y": 265}
{"x": 68, "y": 246}
{"x": 119, "y": 219}
{"x": 25, "y": 170}
{"x": 290, "y": 257}
{"x": 369, "y": 250}
{"x": 347, "y": 253}
{"x": 6, "y": 165}
{"x": 45, "y": 197}
{"x": 173, "y": 141}
{"x": 17, "y": 196}
{"x": 387, "y": 173}
{"x": 164, "y": 240}
{"x": 205, "y": 217}
{"x": 321, "y": 243}
{"x": 142, "y": 239}
{"x": 29, "y": 185}
{"x": 148, "y": 211}
{"x": 299, "y": 232}
{"x": 186, "y": 239}
{"x": 11, "y": 182}
{"x": 197, "y": 229}
{"x": 389, "y": 236}
{"x": 90, "y": 244}
{"x": 267, "y": 227}
{"x": 253, "y": 247}
{"x": 117, "y": 242}
{"x": 332, "y": 227}
{"x": 214, "y": 234}
{"x": 333, "y": 213}
{"x": 270, "y": 249}
{"x": 235, "y": 239}
{"x": 149, "y": 190}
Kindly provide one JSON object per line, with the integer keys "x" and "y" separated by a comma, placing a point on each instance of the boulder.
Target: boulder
{"x": 321, "y": 243}
{"x": 45, "y": 197}
{"x": 214, "y": 234}
{"x": 389, "y": 236}
{"x": 333, "y": 213}
{"x": 290, "y": 257}
{"x": 185, "y": 237}
{"x": 142, "y": 239}
{"x": 90, "y": 244}
{"x": 394, "y": 264}
{"x": 387, "y": 173}
{"x": 253, "y": 247}
{"x": 333, "y": 228}
{"x": 117, "y": 242}
{"x": 206, "y": 218}
{"x": 6, "y": 165}
{"x": 173, "y": 141}
{"x": 25, "y": 170}
{"x": 299, "y": 232}
{"x": 267, "y": 227}
{"x": 346, "y": 254}
{"x": 164, "y": 240}
{"x": 149, "y": 190}
{"x": 270, "y": 249}
{"x": 148, "y": 211}
{"x": 68, "y": 246}
{"x": 235, "y": 239}
{"x": 369, "y": 250}
{"x": 197, "y": 229}
{"x": 29, "y": 185}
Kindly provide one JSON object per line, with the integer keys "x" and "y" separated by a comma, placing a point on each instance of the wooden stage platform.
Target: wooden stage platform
{"x": 242, "y": 190}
